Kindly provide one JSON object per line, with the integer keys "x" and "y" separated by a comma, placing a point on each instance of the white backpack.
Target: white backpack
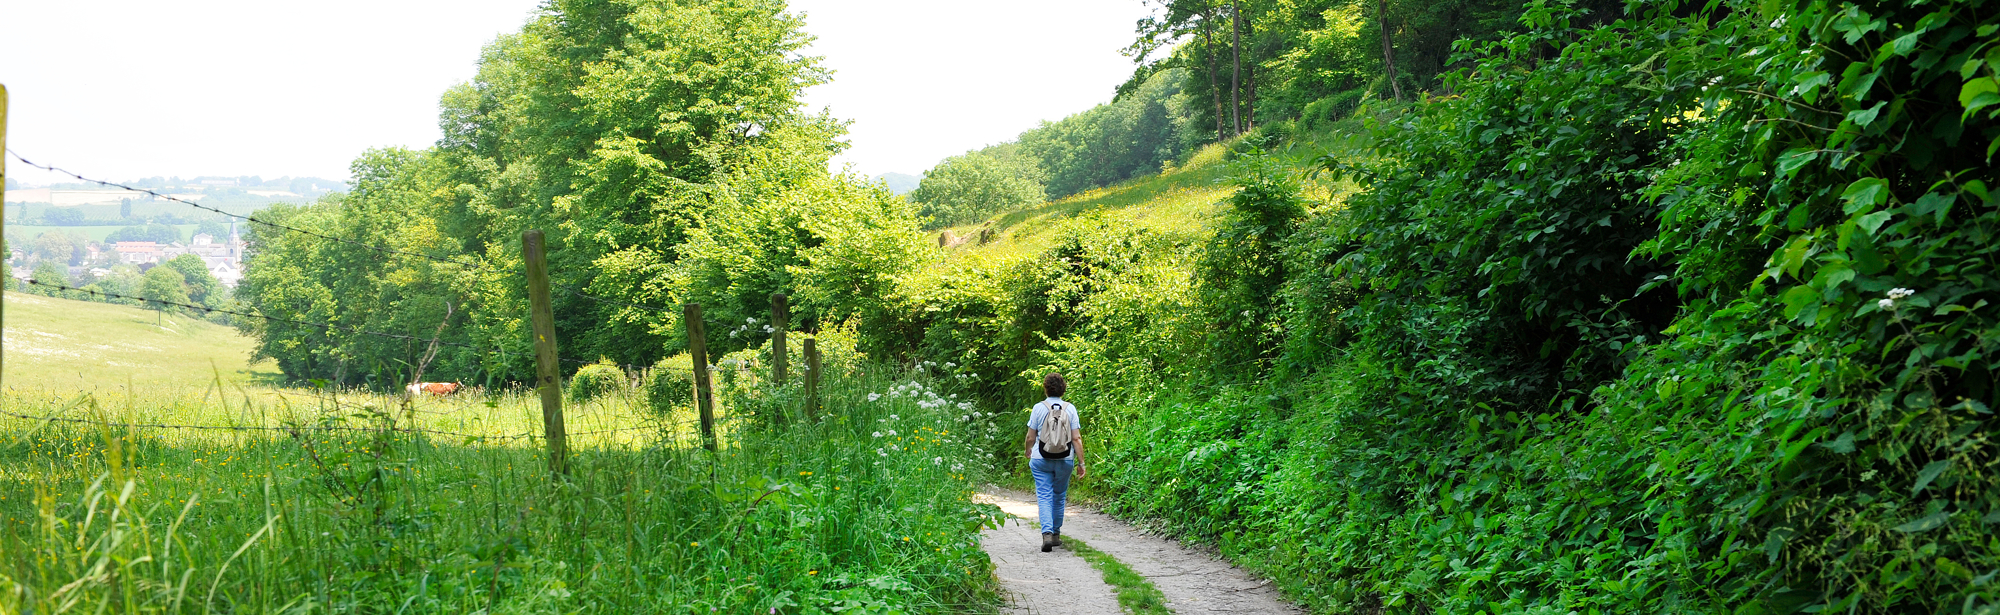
{"x": 1054, "y": 435}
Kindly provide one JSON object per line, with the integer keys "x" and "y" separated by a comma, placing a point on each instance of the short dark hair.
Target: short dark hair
{"x": 1053, "y": 385}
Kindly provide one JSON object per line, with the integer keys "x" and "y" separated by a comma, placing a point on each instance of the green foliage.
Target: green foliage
{"x": 55, "y": 246}
{"x": 669, "y": 385}
{"x": 1684, "y": 312}
{"x": 660, "y": 148}
{"x": 163, "y": 285}
{"x": 201, "y": 284}
{"x": 973, "y": 186}
{"x": 596, "y": 380}
{"x": 49, "y": 272}
{"x": 1136, "y": 595}
{"x": 1134, "y": 135}
{"x": 807, "y": 518}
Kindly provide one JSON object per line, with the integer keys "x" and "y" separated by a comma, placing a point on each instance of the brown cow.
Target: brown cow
{"x": 439, "y": 389}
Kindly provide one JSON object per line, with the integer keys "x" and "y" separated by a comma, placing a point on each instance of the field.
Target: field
{"x": 185, "y": 492}
{"x": 64, "y": 344}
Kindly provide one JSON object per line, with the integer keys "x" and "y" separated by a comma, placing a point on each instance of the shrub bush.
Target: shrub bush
{"x": 669, "y": 385}
{"x": 595, "y": 380}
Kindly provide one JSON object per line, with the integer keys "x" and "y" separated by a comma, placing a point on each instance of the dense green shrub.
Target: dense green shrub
{"x": 1688, "y": 312}
{"x": 669, "y": 385}
{"x": 596, "y": 380}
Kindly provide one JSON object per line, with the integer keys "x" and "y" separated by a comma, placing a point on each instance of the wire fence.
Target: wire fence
{"x": 432, "y": 341}
{"x": 657, "y": 427}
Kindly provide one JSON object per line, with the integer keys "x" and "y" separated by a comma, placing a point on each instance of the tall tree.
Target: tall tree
{"x": 1236, "y": 75}
{"x": 1388, "y": 49}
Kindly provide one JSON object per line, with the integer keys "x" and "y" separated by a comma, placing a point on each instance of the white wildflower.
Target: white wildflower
{"x": 1886, "y": 304}
{"x": 892, "y": 432}
{"x": 768, "y": 329}
{"x": 893, "y": 417}
{"x": 878, "y": 434}
{"x": 874, "y": 396}
{"x": 1898, "y": 293}
{"x": 937, "y": 461}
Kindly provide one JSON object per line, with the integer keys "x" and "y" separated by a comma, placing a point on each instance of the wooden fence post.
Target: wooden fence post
{"x": 781, "y": 317}
{"x": 548, "y": 368}
{"x": 812, "y": 378}
{"x": 3, "y": 157}
{"x": 704, "y": 393}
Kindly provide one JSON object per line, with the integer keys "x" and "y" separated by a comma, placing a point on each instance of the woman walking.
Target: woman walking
{"x": 1055, "y": 447}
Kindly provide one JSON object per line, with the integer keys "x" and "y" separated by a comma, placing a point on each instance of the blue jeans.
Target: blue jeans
{"x": 1051, "y": 489}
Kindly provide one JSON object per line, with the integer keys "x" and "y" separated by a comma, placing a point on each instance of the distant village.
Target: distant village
{"x": 223, "y": 256}
{"x": 104, "y": 230}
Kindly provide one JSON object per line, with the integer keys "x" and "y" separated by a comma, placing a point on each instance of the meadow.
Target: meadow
{"x": 321, "y": 499}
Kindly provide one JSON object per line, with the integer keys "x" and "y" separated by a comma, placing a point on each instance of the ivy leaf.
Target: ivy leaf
{"x": 1930, "y": 473}
{"x": 1864, "y": 194}
{"x": 1924, "y": 524}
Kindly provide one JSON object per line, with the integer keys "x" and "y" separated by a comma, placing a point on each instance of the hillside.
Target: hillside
{"x": 59, "y": 343}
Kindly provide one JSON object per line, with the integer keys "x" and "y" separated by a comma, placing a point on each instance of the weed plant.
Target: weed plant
{"x": 864, "y": 509}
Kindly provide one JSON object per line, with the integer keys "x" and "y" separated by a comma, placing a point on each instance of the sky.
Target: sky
{"x": 120, "y": 90}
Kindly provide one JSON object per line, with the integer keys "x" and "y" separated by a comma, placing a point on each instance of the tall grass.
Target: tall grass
{"x": 800, "y": 515}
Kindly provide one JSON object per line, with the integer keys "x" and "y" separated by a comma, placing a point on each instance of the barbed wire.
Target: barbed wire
{"x": 295, "y": 429}
{"x": 579, "y": 292}
{"x": 320, "y": 325}
{"x": 251, "y": 219}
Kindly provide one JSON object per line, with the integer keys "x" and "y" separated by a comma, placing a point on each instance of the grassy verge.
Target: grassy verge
{"x": 865, "y": 509}
{"x": 1135, "y": 594}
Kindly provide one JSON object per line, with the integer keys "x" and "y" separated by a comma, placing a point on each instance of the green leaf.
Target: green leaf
{"x": 1798, "y": 299}
{"x": 1864, "y": 117}
{"x": 1864, "y": 194}
{"x": 1790, "y": 161}
{"x": 1874, "y": 221}
{"x": 1977, "y": 94}
{"x": 1930, "y": 473}
{"x": 1926, "y": 523}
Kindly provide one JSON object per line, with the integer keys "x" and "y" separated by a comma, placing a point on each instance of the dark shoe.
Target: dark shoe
{"x": 1048, "y": 541}
{"x": 1058, "y": 538}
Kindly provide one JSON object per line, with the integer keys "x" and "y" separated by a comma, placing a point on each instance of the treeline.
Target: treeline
{"x": 662, "y": 149}
{"x": 1212, "y": 70}
{"x": 1685, "y": 308}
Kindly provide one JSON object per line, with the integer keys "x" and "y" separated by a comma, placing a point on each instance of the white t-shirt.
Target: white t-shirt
{"x": 1042, "y": 412}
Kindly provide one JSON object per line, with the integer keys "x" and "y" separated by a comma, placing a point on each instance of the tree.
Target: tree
{"x": 125, "y": 208}
{"x": 977, "y": 184}
{"x": 54, "y": 246}
{"x": 50, "y": 272}
{"x": 194, "y": 273}
{"x": 161, "y": 286}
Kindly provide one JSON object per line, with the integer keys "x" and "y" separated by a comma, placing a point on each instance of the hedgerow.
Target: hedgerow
{"x": 1687, "y": 311}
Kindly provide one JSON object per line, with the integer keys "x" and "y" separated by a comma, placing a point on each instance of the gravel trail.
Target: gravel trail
{"x": 1060, "y": 582}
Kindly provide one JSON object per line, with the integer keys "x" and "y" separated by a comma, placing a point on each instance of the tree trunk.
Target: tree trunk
{"x": 1214, "y": 85}
{"x": 1250, "y": 82}
{"x": 1388, "y": 51}
{"x": 1236, "y": 75}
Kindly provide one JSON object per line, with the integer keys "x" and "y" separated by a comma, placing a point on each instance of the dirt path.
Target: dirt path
{"x": 1061, "y": 582}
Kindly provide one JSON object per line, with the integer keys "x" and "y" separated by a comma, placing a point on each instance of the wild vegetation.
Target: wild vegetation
{"x": 1686, "y": 309}
{"x": 298, "y": 500}
{"x": 1544, "y": 307}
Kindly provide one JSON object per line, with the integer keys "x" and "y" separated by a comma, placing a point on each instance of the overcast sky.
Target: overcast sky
{"x": 128, "y": 89}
